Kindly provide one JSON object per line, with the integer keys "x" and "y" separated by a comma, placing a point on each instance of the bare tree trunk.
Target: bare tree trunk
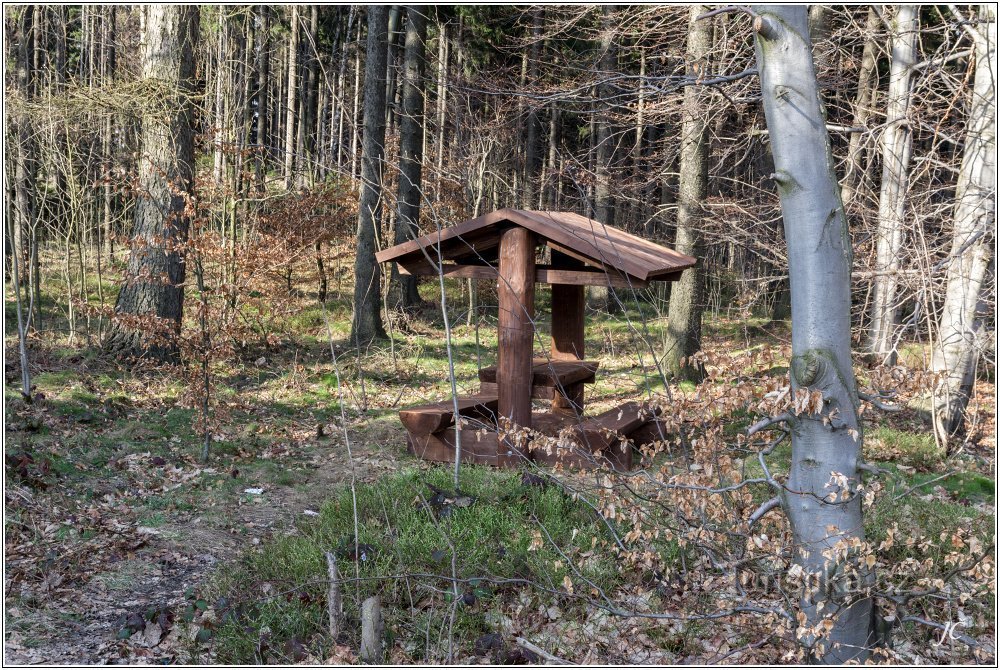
{"x": 826, "y": 439}
{"x": 532, "y": 150}
{"x": 604, "y": 205}
{"x": 411, "y": 141}
{"x": 395, "y": 19}
{"x": 973, "y": 238}
{"x": 896, "y": 151}
{"x": 154, "y": 278}
{"x": 862, "y": 110}
{"x": 263, "y": 153}
{"x": 290, "y": 108}
{"x": 687, "y": 296}
{"x": 221, "y": 74}
{"x": 442, "y": 97}
{"x": 366, "y": 323}
{"x": 304, "y": 139}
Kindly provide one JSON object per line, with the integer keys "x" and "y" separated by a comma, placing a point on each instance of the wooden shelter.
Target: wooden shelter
{"x": 502, "y": 246}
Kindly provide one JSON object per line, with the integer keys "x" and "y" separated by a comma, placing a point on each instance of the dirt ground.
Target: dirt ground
{"x": 70, "y": 596}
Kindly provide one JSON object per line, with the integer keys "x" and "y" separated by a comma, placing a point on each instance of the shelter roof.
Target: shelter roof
{"x": 475, "y": 242}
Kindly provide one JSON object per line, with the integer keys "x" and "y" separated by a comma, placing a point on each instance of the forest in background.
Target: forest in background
{"x": 211, "y": 209}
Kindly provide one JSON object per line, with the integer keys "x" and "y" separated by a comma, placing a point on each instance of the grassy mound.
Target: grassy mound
{"x": 501, "y": 537}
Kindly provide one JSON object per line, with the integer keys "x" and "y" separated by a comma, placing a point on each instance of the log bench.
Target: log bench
{"x": 550, "y": 379}
{"x": 605, "y": 436}
{"x": 436, "y": 416}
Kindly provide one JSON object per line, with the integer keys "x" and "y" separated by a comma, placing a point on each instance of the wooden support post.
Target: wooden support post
{"x": 371, "y": 632}
{"x": 516, "y": 292}
{"x": 568, "y": 313}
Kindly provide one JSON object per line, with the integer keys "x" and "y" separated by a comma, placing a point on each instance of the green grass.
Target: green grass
{"x": 917, "y": 450}
{"x": 490, "y": 540}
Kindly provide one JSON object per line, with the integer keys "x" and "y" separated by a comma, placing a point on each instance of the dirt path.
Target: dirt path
{"x": 71, "y": 621}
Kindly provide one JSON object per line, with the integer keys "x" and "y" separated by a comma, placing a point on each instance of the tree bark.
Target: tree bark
{"x": 290, "y": 107}
{"x": 154, "y": 277}
{"x": 973, "y": 239}
{"x": 687, "y": 296}
{"x": 532, "y": 150}
{"x": 366, "y": 323}
{"x": 411, "y": 142}
{"x": 896, "y": 151}
{"x": 604, "y": 201}
{"x": 263, "y": 154}
{"x": 862, "y": 110}
{"x": 819, "y": 258}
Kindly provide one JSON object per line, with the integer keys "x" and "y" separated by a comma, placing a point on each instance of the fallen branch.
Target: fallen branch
{"x": 541, "y": 652}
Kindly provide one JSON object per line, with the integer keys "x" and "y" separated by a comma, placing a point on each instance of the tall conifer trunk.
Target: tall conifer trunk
{"x": 366, "y": 323}
{"x": 687, "y": 296}
{"x": 154, "y": 278}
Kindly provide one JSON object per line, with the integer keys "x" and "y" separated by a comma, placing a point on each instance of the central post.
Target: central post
{"x": 516, "y": 293}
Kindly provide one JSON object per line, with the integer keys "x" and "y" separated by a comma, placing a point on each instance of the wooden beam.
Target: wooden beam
{"x": 568, "y": 321}
{"x": 478, "y": 446}
{"x": 516, "y": 293}
{"x": 543, "y": 274}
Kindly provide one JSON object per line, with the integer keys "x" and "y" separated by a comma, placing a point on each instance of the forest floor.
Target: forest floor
{"x": 113, "y": 526}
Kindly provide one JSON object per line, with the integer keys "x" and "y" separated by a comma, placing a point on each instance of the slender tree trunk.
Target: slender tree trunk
{"x": 154, "y": 278}
{"x": 366, "y": 323}
{"x": 221, "y": 70}
{"x": 973, "y": 239}
{"x": 604, "y": 201}
{"x": 290, "y": 107}
{"x": 825, "y": 439}
{"x": 442, "y": 98}
{"x": 552, "y": 177}
{"x": 263, "y": 153}
{"x": 305, "y": 141}
{"x": 355, "y": 105}
{"x": 896, "y": 151}
{"x": 687, "y": 296}
{"x": 395, "y": 19}
{"x": 532, "y": 150}
{"x": 411, "y": 141}
{"x": 862, "y": 110}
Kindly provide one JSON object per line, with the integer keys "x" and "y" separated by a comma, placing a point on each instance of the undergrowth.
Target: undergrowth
{"x": 410, "y": 545}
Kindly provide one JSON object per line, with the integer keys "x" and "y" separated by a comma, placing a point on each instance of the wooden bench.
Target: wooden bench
{"x": 601, "y": 437}
{"x": 433, "y": 417}
{"x": 550, "y": 379}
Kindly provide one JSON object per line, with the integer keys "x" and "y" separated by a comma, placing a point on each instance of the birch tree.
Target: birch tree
{"x": 973, "y": 237}
{"x": 820, "y": 496}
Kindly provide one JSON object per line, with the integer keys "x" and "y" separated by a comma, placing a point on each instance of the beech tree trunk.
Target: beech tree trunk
{"x": 819, "y": 259}
{"x": 366, "y": 323}
{"x": 896, "y": 151}
{"x": 973, "y": 239}
{"x": 687, "y": 296}
{"x": 154, "y": 277}
{"x": 411, "y": 142}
